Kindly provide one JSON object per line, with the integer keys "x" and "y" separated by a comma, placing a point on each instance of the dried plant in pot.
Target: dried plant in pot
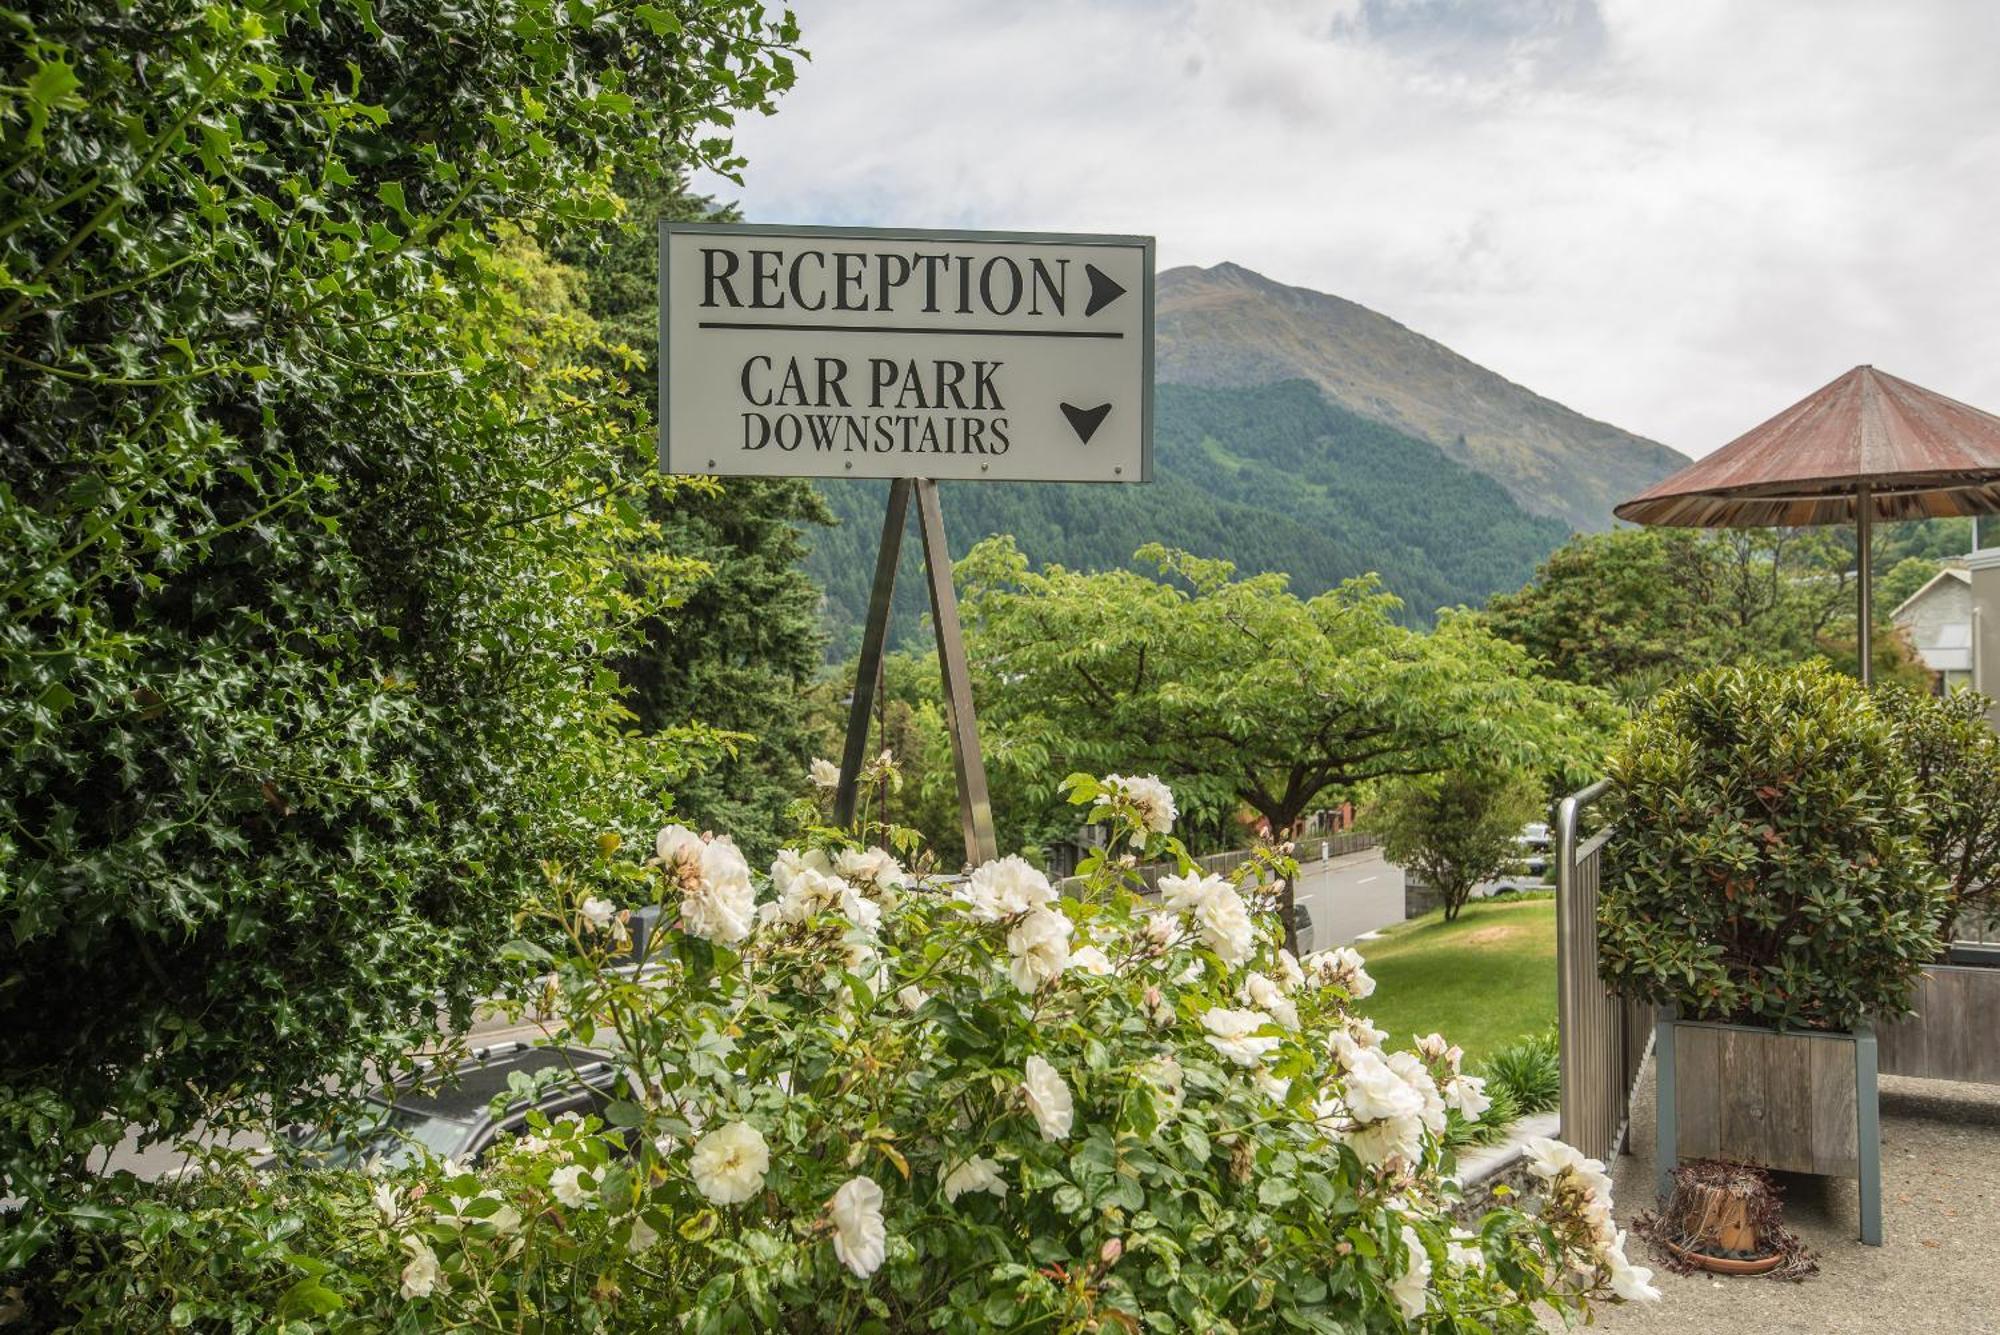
{"x": 1726, "y": 1218}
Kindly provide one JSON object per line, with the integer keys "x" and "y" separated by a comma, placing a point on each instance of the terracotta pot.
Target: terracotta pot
{"x": 1720, "y": 1219}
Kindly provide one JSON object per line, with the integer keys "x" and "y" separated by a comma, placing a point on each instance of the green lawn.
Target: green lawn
{"x": 1482, "y": 981}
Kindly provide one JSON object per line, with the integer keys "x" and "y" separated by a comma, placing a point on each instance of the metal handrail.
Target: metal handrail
{"x": 1595, "y": 1041}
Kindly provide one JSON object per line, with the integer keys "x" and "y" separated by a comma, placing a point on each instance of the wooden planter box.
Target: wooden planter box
{"x": 1797, "y": 1101}
{"x": 1951, "y": 1036}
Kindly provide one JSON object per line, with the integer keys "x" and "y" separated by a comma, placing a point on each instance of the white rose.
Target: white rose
{"x": 1467, "y": 1093}
{"x": 421, "y": 1274}
{"x": 598, "y": 912}
{"x": 722, "y": 906}
{"x": 912, "y": 998}
{"x": 1290, "y": 975}
{"x": 1233, "y": 1033}
{"x": 1377, "y": 1143}
{"x": 1259, "y": 991}
{"x": 1548, "y": 1159}
{"x": 1374, "y": 1091}
{"x": 802, "y": 892}
{"x": 1409, "y": 1288}
{"x": 873, "y": 868}
{"x": 1091, "y": 960}
{"x": 1039, "y": 944}
{"x": 729, "y": 1164}
{"x": 824, "y": 773}
{"x": 860, "y": 1238}
{"x": 1225, "y": 926}
{"x": 1183, "y": 894}
{"x": 975, "y": 1174}
{"x": 385, "y": 1201}
{"x": 790, "y": 862}
{"x": 1341, "y": 968}
{"x": 566, "y": 1185}
{"x": 1152, "y": 800}
{"x": 673, "y": 841}
{"x": 1417, "y": 1076}
{"x": 858, "y": 909}
{"x": 1160, "y": 929}
{"x": 1048, "y": 1099}
{"x": 1004, "y": 888}
{"x": 1356, "y": 1034}
{"x": 1633, "y": 1283}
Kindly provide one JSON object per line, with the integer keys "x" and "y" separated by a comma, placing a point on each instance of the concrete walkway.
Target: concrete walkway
{"x": 1937, "y": 1272}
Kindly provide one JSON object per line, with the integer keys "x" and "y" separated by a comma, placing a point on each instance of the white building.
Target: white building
{"x": 1938, "y": 620}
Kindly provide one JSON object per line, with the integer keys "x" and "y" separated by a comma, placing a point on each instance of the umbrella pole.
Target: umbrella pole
{"x": 1864, "y": 559}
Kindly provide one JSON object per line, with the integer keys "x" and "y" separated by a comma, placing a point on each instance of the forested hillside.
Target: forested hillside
{"x": 1272, "y": 478}
{"x": 1228, "y": 326}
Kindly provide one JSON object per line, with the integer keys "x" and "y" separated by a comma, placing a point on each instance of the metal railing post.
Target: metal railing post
{"x": 1576, "y": 1018}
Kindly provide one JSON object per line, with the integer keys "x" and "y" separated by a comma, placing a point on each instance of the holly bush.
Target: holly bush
{"x": 1769, "y": 863}
{"x": 319, "y": 524}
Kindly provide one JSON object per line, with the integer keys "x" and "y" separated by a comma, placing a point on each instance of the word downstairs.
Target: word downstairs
{"x": 889, "y": 406}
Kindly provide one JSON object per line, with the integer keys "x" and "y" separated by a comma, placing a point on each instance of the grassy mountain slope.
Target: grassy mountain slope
{"x": 1227, "y": 326}
{"x": 1272, "y": 477}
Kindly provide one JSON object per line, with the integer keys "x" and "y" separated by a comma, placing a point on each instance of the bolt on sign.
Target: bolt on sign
{"x": 858, "y": 352}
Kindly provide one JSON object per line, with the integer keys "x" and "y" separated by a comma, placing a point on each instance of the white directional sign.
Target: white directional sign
{"x": 828, "y": 352}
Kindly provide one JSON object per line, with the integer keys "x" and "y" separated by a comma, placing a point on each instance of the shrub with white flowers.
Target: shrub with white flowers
{"x": 860, "y": 1100}
{"x": 979, "y": 1104}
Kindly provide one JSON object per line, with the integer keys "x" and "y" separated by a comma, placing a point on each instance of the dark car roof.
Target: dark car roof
{"x": 463, "y": 1093}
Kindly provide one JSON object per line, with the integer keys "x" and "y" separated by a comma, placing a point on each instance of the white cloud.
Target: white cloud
{"x": 1677, "y": 217}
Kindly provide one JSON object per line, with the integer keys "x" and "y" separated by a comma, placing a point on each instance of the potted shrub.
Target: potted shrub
{"x": 1955, "y": 758}
{"x": 1770, "y": 886}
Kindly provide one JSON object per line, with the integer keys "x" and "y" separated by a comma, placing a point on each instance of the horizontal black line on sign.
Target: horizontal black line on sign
{"x": 908, "y": 329}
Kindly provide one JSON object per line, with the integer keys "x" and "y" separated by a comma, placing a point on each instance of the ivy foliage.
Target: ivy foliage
{"x": 321, "y": 514}
{"x": 1770, "y": 863}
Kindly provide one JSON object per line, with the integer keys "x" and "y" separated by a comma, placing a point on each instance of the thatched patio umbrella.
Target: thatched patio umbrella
{"x": 1866, "y": 447}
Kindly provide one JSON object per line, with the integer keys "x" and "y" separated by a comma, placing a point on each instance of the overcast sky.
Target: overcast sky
{"x": 1676, "y": 215}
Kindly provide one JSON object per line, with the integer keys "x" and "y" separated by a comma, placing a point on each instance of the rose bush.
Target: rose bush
{"x": 888, "y": 1105}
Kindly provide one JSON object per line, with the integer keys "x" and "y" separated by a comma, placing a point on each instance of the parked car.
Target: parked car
{"x": 448, "y": 1110}
{"x": 1531, "y": 867}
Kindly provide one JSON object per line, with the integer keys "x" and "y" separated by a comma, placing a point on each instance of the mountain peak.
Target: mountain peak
{"x": 1228, "y": 325}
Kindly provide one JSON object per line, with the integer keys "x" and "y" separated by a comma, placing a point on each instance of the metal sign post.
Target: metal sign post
{"x": 911, "y": 356}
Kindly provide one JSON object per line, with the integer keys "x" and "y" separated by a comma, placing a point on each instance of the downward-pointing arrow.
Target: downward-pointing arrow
{"x": 1103, "y": 290}
{"x": 1085, "y": 421}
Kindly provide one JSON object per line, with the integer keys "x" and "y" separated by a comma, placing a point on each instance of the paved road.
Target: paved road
{"x": 1350, "y": 895}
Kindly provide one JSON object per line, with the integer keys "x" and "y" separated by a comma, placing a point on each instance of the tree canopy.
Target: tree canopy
{"x": 1239, "y": 692}
{"x": 1456, "y": 829}
{"x": 1634, "y": 609}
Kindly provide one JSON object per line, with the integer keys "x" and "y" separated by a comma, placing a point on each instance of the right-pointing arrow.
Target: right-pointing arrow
{"x": 1103, "y": 290}
{"x": 1085, "y": 421}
